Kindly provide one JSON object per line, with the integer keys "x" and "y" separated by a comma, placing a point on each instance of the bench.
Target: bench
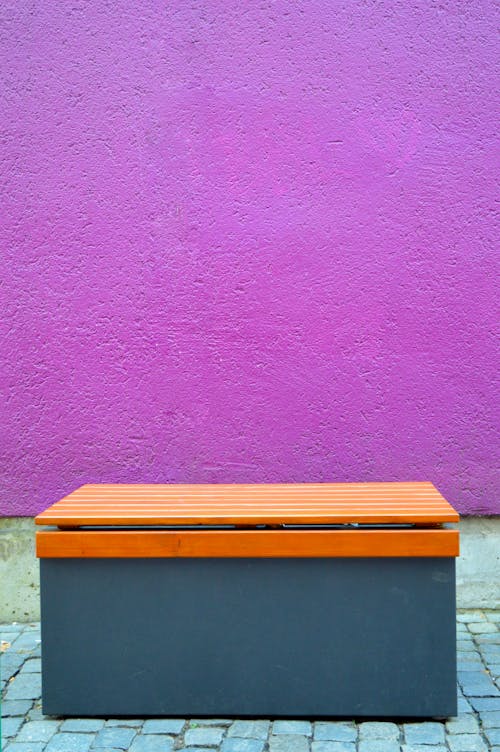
{"x": 308, "y": 600}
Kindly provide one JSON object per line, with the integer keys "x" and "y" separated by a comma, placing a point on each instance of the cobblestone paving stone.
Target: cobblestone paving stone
{"x": 475, "y": 729}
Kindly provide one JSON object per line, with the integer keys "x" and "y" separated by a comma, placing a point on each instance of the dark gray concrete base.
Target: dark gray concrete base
{"x": 249, "y": 637}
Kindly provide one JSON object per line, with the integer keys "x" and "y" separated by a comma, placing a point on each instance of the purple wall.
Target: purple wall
{"x": 248, "y": 242}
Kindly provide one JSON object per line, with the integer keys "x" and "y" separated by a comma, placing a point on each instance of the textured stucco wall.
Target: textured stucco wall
{"x": 247, "y": 242}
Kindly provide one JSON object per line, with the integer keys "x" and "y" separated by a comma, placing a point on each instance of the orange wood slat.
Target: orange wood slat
{"x": 247, "y": 543}
{"x": 245, "y": 496}
{"x": 253, "y": 492}
{"x": 325, "y": 503}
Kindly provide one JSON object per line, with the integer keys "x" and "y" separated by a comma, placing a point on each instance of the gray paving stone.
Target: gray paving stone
{"x": 196, "y": 749}
{"x": 38, "y": 731}
{"x": 7, "y": 645}
{"x": 128, "y": 722}
{"x": 485, "y": 703}
{"x": 114, "y": 738}
{"x": 466, "y": 642}
{"x": 249, "y": 729}
{"x": 36, "y": 714}
{"x": 82, "y": 725}
{"x": 16, "y": 707}
{"x": 338, "y": 731}
{"x": 153, "y": 743}
{"x": 469, "y": 655}
{"x": 465, "y": 634}
{"x": 491, "y": 653}
{"x": 491, "y": 660}
{"x": 27, "y": 687}
{"x": 241, "y": 745}
{"x": 25, "y": 747}
{"x": 490, "y": 719}
{"x": 423, "y": 748}
{"x": 473, "y": 665}
{"x": 467, "y": 651}
{"x": 470, "y": 617}
{"x": 477, "y": 684}
{"x": 466, "y": 648}
{"x": 488, "y": 639}
{"x": 70, "y": 743}
{"x": 33, "y": 665}
{"x": 487, "y": 642}
{"x": 163, "y": 726}
{"x": 466, "y": 743}
{"x": 289, "y": 743}
{"x": 483, "y": 627}
{"x": 10, "y": 726}
{"x": 35, "y": 652}
{"x": 470, "y": 666}
{"x": 24, "y": 652}
{"x": 9, "y": 650}
{"x": 493, "y": 616}
{"x": 9, "y": 671}
{"x": 464, "y": 706}
{"x": 378, "y": 730}
{"x": 304, "y": 728}
{"x": 9, "y": 629}
{"x": 10, "y": 665}
{"x": 332, "y": 746}
{"x": 424, "y": 733}
{"x": 463, "y": 724}
{"x": 492, "y": 735}
{"x": 9, "y": 638}
{"x": 379, "y": 745}
{"x": 27, "y": 641}
{"x": 206, "y": 736}
{"x": 210, "y": 721}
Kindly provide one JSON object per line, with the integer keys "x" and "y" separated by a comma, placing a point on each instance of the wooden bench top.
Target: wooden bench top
{"x": 418, "y": 503}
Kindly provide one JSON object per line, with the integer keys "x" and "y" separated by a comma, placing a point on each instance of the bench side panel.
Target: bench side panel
{"x": 347, "y": 637}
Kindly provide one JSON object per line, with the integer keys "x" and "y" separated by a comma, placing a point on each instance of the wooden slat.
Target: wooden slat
{"x": 314, "y": 503}
{"x": 246, "y": 543}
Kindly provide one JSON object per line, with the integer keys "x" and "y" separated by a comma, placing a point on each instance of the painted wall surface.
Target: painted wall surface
{"x": 248, "y": 242}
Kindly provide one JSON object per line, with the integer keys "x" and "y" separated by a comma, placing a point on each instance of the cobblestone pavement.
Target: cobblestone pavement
{"x": 476, "y": 729}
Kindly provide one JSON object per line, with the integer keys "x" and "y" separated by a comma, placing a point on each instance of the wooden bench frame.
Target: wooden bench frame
{"x": 246, "y": 543}
{"x": 371, "y": 564}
